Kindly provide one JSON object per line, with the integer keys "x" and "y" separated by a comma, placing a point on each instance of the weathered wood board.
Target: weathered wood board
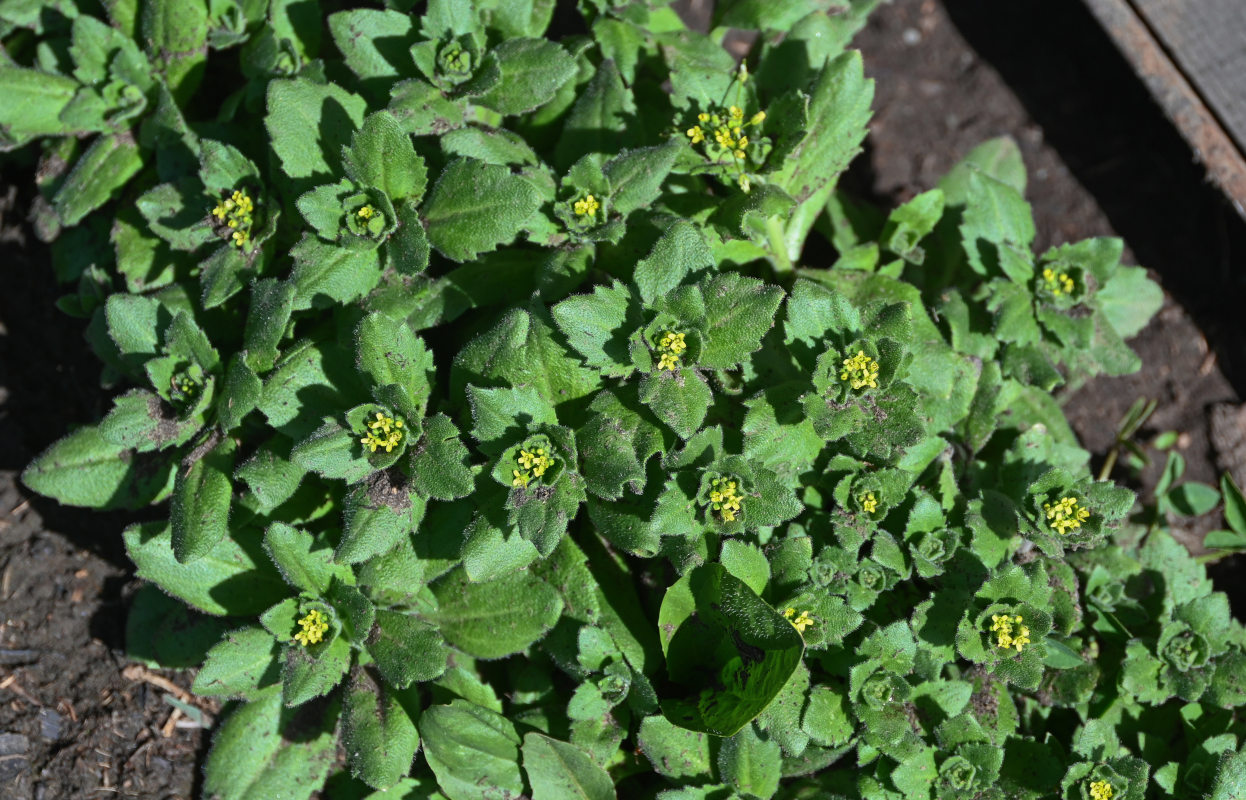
{"x": 1192, "y": 56}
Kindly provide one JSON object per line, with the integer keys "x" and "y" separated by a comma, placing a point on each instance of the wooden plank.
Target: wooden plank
{"x": 1207, "y": 40}
{"x": 1181, "y": 101}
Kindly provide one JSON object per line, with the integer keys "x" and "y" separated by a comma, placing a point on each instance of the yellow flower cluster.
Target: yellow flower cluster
{"x": 1065, "y": 515}
{"x": 1058, "y": 283}
{"x": 725, "y": 498}
{"x": 185, "y": 384}
{"x": 587, "y": 207}
{"x": 236, "y": 211}
{"x": 801, "y": 621}
{"x": 383, "y": 432}
{"x": 869, "y": 503}
{"x": 1002, "y": 627}
{"x": 860, "y": 371}
{"x": 670, "y": 347}
{"x": 727, "y": 129}
{"x": 314, "y": 626}
{"x": 1101, "y": 790}
{"x": 367, "y": 212}
{"x": 534, "y": 464}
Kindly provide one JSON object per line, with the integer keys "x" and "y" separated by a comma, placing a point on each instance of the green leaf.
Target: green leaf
{"x": 327, "y": 275}
{"x": 474, "y": 752}
{"x": 381, "y": 155}
{"x": 475, "y": 206}
{"x": 599, "y": 327}
{"x": 739, "y": 311}
{"x": 85, "y": 469}
{"x": 496, "y": 618}
{"x": 680, "y": 398}
{"x": 1193, "y": 499}
{"x": 199, "y": 512}
{"x": 100, "y": 173}
{"x": 706, "y": 618}
{"x": 378, "y": 732}
{"x": 309, "y": 123}
{"x": 406, "y": 649}
{"x": 441, "y": 466}
{"x": 751, "y": 764}
{"x": 636, "y": 176}
{"x": 598, "y": 118}
{"x": 374, "y": 43}
{"x": 561, "y": 771}
{"x": 231, "y": 580}
{"x": 375, "y": 517}
{"x": 270, "y": 475}
{"x": 390, "y": 354}
{"x": 310, "y": 672}
{"x": 175, "y": 33}
{"x": 244, "y": 662}
{"x": 1234, "y": 504}
{"x": 240, "y": 393}
{"x": 839, "y": 109}
{"x": 34, "y": 100}
{"x": 746, "y": 562}
{"x": 679, "y": 253}
{"x": 674, "y": 752}
{"x": 523, "y": 349}
{"x": 532, "y": 72}
{"x": 1129, "y": 300}
{"x": 304, "y": 563}
{"x": 251, "y": 759}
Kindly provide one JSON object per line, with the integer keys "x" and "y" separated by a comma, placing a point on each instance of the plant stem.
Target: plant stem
{"x": 778, "y": 246}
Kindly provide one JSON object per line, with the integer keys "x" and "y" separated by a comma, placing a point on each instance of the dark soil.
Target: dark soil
{"x": 75, "y": 723}
{"x": 72, "y": 725}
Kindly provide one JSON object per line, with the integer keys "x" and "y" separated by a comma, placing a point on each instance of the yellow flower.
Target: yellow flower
{"x": 802, "y": 621}
{"x": 1058, "y": 283}
{"x": 533, "y": 463}
{"x": 235, "y": 213}
{"x": 1101, "y": 790}
{"x": 725, "y": 498}
{"x": 366, "y": 212}
{"x": 860, "y": 371}
{"x": 869, "y": 503}
{"x": 1005, "y": 637}
{"x": 587, "y": 207}
{"x": 696, "y": 133}
{"x": 383, "y": 432}
{"x": 1066, "y": 515}
{"x": 671, "y": 345}
{"x": 314, "y": 626}
{"x": 757, "y": 118}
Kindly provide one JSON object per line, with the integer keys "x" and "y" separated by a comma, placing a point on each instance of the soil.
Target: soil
{"x": 75, "y": 722}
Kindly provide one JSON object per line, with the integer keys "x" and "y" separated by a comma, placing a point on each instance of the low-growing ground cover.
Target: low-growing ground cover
{"x": 865, "y": 354}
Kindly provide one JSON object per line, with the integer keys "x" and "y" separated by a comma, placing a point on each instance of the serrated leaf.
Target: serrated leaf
{"x": 309, "y": 123}
{"x": 230, "y": 580}
{"x": 244, "y": 662}
{"x": 381, "y": 155}
{"x": 532, "y": 72}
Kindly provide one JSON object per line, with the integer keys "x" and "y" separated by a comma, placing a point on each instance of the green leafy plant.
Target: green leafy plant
{"x": 512, "y": 446}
